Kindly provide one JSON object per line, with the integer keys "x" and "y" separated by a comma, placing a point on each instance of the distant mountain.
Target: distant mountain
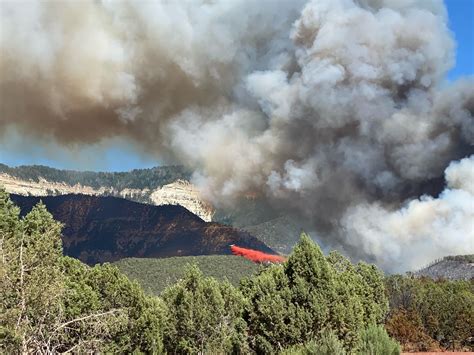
{"x": 459, "y": 267}
{"x": 156, "y": 186}
{"x": 135, "y": 179}
{"x": 101, "y": 229}
{"x": 281, "y": 233}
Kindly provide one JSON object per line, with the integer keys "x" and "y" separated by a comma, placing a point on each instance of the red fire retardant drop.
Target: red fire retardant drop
{"x": 256, "y": 256}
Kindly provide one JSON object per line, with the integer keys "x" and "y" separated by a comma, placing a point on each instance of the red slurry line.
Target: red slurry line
{"x": 256, "y": 256}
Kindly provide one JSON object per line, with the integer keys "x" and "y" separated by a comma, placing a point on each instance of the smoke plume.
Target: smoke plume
{"x": 336, "y": 111}
{"x": 422, "y": 230}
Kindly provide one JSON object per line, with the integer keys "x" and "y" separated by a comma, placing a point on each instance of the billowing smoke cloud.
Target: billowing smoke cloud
{"x": 84, "y": 70}
{"x": 423, "y": 229}
{"x": 332, "y": 109}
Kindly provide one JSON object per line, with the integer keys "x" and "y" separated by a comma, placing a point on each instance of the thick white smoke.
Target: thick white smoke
{"x": 330, "y": 109}
{"x": 423, "y": 229}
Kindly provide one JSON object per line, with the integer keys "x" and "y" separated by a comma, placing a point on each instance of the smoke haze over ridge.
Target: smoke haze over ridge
{"x": 335, "y": 110}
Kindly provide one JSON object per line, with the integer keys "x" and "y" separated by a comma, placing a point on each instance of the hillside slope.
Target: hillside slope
{"x": 154, "y": 275}
{"x": 157, "y": 186}
{"x": 458, "y": 267}
{"x": 100, "y": 229}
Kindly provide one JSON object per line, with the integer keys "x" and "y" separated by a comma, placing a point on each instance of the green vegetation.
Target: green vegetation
{"x": 461, "y": 258}
{"x": 50, "y": 303}
{"x": 426, "y": 315}
{"x": 295, "y": 302}
{"x": 154, "y": 275}
{"x": 205, "y": 316}
{"x": 374, "y": 340}
{"x": 328, "y": 344}
{"x": 311, "y": 304}
{"x": 135, "y": 179}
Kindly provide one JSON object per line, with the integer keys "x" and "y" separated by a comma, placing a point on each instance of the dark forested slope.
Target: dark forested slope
{"x": 100, "y": 229}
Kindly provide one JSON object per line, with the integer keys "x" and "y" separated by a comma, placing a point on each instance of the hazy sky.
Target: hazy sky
{"x": 119, "y": 156}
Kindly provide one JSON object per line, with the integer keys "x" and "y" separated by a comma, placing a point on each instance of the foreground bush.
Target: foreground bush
{"x": 426, "y": 314}
{"x": 52, "y": 304}
{"x": 328, "y": 344}
{"x": 374, "y": 340}
{"x": 407, "y": 328}
{"x": 293, "y": 303}
{"x": 121, "y": 317}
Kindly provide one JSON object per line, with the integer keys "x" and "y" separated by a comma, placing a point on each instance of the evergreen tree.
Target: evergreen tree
{"x": 31, "y": 278}
{"x": 112, "y": 313}
{"x": 296, "y": 302}
{"x": 50, "y": 303}
{"x": 204, "y": 316}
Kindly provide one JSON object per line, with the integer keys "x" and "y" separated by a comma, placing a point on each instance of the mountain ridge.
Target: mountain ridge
{"x": 155, "y": 186}
{"x": 105, "y": 229}
{"x": 453, "y": 267}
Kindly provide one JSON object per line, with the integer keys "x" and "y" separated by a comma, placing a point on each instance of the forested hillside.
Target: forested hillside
{"x": 99, "y": 229}
{"x": 155, "y": 274}
{"x": 135, "y": 179}
{"x": 456, "y": 267}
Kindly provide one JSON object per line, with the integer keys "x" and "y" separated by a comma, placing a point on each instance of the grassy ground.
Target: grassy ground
{"x": 154, "y": 275}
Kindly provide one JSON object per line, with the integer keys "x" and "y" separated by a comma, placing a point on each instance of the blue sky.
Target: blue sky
{"x": 461, "y": 22}
{"x": 120, "y": 156}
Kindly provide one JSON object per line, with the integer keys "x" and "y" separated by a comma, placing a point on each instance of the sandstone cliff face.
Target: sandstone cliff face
{"x": 183, "y": 193}
{"x": 180, "y": 192}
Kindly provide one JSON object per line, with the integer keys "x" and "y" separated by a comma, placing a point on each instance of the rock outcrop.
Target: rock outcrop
{"x": 183, "y": 193}
{"x": 180, "y": 192}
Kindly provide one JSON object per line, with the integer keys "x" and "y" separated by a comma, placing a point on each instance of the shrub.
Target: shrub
{"x": 407, "y": 328}
{"x": 374, "y": 340}
{"x": 328, "y": 344}
{"x": 443, "y": 309}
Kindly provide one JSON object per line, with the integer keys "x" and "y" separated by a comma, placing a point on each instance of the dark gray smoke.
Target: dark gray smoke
{"x": 336, "y": 110}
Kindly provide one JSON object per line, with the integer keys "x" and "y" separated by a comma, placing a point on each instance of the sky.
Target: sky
{"x": 117, "y": 155}
{"x": 461, "y": 22}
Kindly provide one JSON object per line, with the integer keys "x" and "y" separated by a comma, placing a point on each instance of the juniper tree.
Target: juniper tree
{"x": 204, "y": 316}
{"x": 50, "y": 303}
{"x": 31, "y": 278}
{"x": 307, "y": 296}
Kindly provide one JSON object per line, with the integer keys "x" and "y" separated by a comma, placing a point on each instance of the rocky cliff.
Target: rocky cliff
{"x": 183, "y": 193}
{"x": 179, "y": 192}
